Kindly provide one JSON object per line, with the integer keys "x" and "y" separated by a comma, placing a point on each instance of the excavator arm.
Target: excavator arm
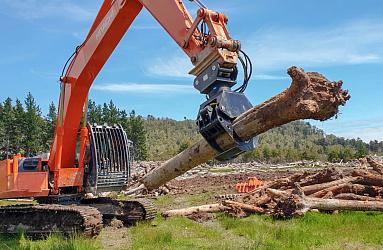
{"x": 104, "y": 156}
{"x": 205, "y": 40}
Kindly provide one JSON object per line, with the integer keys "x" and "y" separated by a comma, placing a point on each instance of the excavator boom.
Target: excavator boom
{"x": 112, "y": 22}
{"x": 104, "y": 151}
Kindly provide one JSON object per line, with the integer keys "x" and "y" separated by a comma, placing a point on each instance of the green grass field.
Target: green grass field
{"x": 350, "y": 230}
{"x": 347, "y": 230}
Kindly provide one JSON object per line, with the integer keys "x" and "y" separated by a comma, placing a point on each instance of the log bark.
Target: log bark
{"x": 288, "y": 182}
{"x": 318, "y": 187}
{"x": 351, "y": 196}
{"x": 375, "y": 165}
{"x": 372, "y": 191}
{"x": 298, "y": 205}
{"x": 368, "y": 178}
{"x": 310, "y": 96}
{"x": 323, "y": 176}
{"x": 242, "y": 206}
{"x": 211, "y": 208}
{"x": 277, "y": 194}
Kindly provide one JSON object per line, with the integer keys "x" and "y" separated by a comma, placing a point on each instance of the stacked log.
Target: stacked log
{"x": 328, "y": 190}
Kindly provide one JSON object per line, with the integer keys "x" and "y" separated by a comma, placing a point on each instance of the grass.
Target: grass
{"x": 184, "y": 200}
{"x": 347, "y": 230}
{"x": 351, "y": 230}
{"x": 179, "y": 233}
{"x": 53, "y": 242}
{"x": 15, "y": 202}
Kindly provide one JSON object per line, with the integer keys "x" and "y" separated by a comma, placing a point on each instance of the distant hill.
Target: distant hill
{"x": 294, "y": 141}
{"x": 24, "y": 129}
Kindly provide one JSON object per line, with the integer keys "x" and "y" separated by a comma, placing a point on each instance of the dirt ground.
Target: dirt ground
{"x": 220, "y": 183}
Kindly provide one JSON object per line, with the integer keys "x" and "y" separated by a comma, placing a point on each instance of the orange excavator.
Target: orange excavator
{"x": 87, "y": 158}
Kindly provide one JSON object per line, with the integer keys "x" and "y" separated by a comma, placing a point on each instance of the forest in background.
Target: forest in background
{"x": 24, "y": 129}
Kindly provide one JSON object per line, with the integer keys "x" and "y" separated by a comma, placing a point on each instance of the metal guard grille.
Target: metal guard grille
{"x": 111, "y": 157}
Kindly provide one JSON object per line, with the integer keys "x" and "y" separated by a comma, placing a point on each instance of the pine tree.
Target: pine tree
{"x": 18, "y": 137}
{"x": 50, "y": 121}
{"x": 94, "y": 112}
{"x": 33, "y": 127}
{"x": 110, "y": 113}
{"x": 8, "y": 119}
{"x": 136, "y": 133}
{"x": 2, "y": 132}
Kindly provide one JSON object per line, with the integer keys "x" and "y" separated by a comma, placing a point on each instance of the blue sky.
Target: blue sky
{"x": 148, "y": 72}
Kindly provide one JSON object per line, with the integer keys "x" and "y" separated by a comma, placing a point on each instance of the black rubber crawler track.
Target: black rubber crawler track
{"x": 129, "y": 212}
{"x": 39, "y": 221}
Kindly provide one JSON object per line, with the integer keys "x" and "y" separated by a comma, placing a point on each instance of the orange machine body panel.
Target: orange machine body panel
{"x": 71, "y": 177}
{"x": 15, "y": 184}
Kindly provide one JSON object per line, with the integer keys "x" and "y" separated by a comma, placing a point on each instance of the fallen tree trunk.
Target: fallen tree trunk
{"x": 298, "y": 205}
{"x": 242, "y": 206}
{"x": 211, "y": 208}
{"x": 310, "y": 96}
{"x": 368, "y": 178}
{"x": 375, "y": 165}
{"x": 318, "y": 187}
{"x": 351, "y": 196}
{"x": 372, "y": 191}
{"x": 324, "y": 176}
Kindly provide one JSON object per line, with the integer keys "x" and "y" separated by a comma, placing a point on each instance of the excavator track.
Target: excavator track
{"x": 129, "y": 212}
{"x": 39, "y": 221}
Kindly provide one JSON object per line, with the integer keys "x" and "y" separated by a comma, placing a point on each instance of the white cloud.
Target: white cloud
{"x": 357, "y": 42}
{"x": 174, "y": 66}
{"x": 179, "y": 67}
{"x": 272, "y": 49}
{"x": 37, "y": 9}
{"x": 145, "y": 88}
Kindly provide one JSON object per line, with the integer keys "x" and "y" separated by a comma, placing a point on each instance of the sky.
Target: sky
{"x": 148, "y": 72}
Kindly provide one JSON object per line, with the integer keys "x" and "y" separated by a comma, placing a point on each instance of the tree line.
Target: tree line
{"x": 291, "y": 142}
{"x": 24, "y": 129}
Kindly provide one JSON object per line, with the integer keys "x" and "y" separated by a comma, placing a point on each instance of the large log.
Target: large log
{"x": 351, "y": 196}
{"x": 242, "y": 206}
{"x": 378, "y": 167}
{"x": 368, "y": 178}
{"x": 323, "y": 176}
{"x": 372, "y": 191}
{"x": 298, "y": 205}
{"x": 210, "y": 208}
{"x": 318, "y": 187}
{"x": 310, "y": 96}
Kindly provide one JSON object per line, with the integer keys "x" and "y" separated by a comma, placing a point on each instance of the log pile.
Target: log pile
{"x": 328, "y": 190}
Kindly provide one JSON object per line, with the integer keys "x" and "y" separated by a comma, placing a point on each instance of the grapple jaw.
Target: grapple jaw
{"x": 223, "y": 106}
{"x": 109, "y": 159}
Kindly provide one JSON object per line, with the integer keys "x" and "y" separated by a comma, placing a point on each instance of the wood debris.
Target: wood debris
{"x": 327, "y": 190}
